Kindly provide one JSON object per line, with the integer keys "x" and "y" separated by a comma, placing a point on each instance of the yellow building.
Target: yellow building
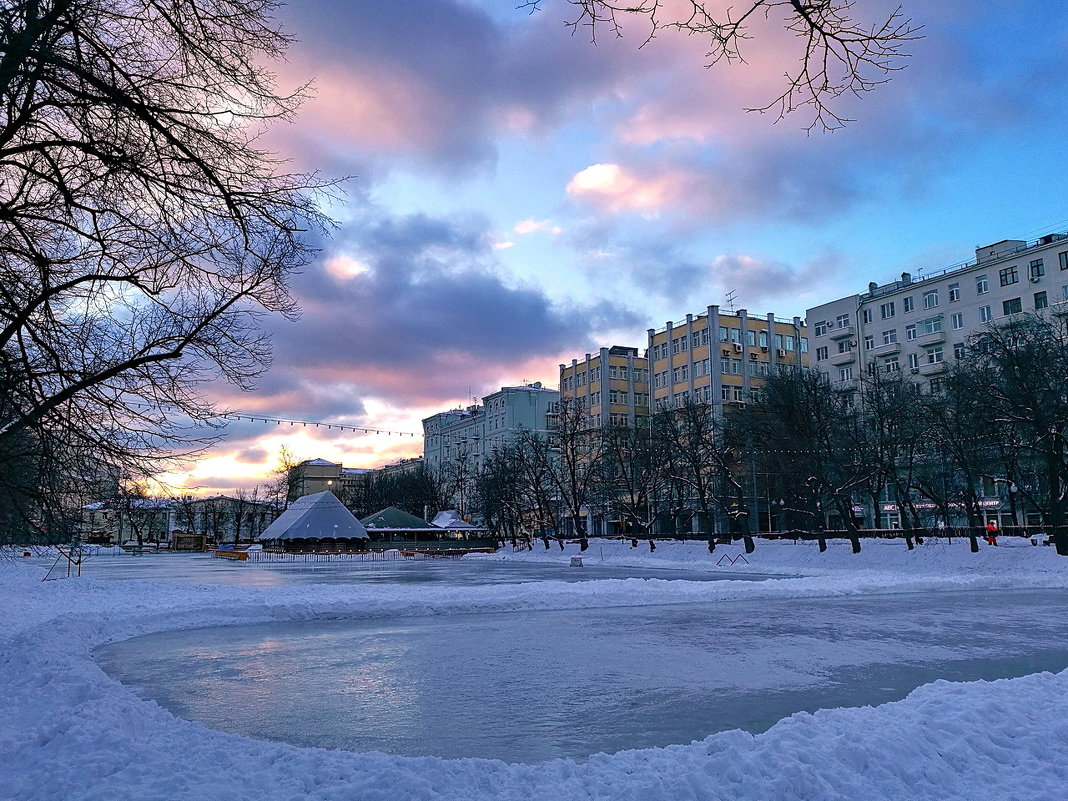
{"x": 613, "y": 386}
{"x": 720, "y": 357}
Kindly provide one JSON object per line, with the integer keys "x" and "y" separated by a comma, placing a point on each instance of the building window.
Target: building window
{"x": 954, "y": 292}
{"x": 958, "y": 321}
{"x": 938, "y": 386}
{"x": 930, "y": 299}
{"x": 958, "y": 350}
{"x": 821, "y": 353}
{"x": 887, "y": 310}
{"x": 821, "y": 328}
{"x": 910, "y": 332}
{"x": 907, "y": 304}
{"x": 725, "y": 393}
{"x": 1012, "y": 306}
{"x": 867, "y": 315}
{"x": 985, "y": 315}
{"x": 1037, "y": 269}
{"x": 914, "y": 361}
{"x": 845, "y": 346}
{"x": 932, "y": 325}
{"x": 704, "y": 336}
{"x": 890, "y": 337}
{"x": 1009, "y": 275}
{"x": 1040, "y": 301}
{"x": 892, "y": 365}
{"x": 982, "y": 285}
{"x": 869, "y": 342}
{"x": 845, "y": 374}
{"x": 934, "y": 355}
{"x": 841, "y": 321}
{"x": 723, "y": 335}
{"x": 1062, "y": 258}
{"x": 695, "y": 339}
{"x": 738, "y": 396}
{"x": 804, "y": 344}
{"x": 724, "y": 365}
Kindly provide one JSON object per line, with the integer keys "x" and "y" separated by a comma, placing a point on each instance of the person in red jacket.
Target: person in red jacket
{"x": 992, "y": 533}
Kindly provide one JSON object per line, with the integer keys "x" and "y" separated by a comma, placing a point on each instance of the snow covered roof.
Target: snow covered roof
{"x": 320, "y": 515}
{"x": 450, "y": 519}
{"x": 393, "y": 519}
{"x": 320, "y": 463}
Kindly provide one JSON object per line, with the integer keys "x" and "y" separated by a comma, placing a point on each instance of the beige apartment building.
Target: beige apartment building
{"x": 719, "y": 357}
{"x": 612, "y": 385}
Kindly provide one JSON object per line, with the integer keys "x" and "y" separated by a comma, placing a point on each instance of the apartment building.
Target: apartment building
{"x": 469, "y": 435}
{"x": 320, "y": 475}
{"x": 917, "y": 323}
{"x": 612, "y": 385}
{"x": 719, "y": 357}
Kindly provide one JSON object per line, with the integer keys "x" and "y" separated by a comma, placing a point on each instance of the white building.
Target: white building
{"x": 467, "y": 436}
{"x": 917, "y": 323}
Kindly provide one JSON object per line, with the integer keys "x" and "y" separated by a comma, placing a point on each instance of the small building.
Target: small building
{"x": 396, "y": 524}
{"x": 453, "y": 525}
{"x": 316, "y": 523}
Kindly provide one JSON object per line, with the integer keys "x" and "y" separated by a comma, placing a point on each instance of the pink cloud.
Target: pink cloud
{"x": 615, "y": 189}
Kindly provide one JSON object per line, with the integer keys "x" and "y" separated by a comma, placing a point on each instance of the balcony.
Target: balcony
{"x": 885, "y": 350}
{"x": 932, "y": 368}
{"x": 1059, "y": 308}
{"x": 838, "y": 359}
{"x": 933, "y": 338}
{"x": 846, "y": 332}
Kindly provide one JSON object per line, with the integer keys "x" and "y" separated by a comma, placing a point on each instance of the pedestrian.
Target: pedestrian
{"x": 991, "y": 533}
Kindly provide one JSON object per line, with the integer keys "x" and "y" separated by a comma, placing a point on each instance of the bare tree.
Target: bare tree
{"x": 628, "y": 474}
{"x": 143, "y": 230}
{"x": 805, "y": 431}
{"x": 287, "y": 479}
{"x": 837, "y": 55}
{"x": 1017, "y": 370}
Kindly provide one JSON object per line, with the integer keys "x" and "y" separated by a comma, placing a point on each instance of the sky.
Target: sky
{"x": 517, "y": 195}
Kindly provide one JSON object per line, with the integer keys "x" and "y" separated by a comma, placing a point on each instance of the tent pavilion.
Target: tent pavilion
{"x": 396, "y": 524}
{"x": 455, "y": 526}
{"x": 316, "y": 523}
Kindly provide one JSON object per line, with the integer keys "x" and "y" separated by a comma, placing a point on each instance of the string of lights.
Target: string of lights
{"x": 268, "y": 419}
{"x": 278, "y": 421}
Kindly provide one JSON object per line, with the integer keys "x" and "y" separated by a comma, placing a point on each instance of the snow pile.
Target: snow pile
{"x": 68, "y": 731}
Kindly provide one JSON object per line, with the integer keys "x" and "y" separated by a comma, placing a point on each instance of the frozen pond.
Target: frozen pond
{"x": 204, "y": 569}
{"x": 531, "y": 686}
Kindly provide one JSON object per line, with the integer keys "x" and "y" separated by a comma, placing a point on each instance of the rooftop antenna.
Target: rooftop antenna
{"x": 732, "y": 295}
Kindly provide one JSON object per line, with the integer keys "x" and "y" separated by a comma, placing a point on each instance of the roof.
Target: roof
{"x": 320, "y": 515}
{"x": 450, "y": 519}
{"x": 393, "y": 519}
{"x": 320, "y": 463}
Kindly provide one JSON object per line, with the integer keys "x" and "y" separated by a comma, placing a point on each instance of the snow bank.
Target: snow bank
{"x": 68, "y": 731}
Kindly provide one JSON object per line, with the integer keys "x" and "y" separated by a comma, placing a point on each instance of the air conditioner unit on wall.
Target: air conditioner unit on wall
{"x": 914, "y": 370}
{"x": 737, "y": 347}
{"x": 780, "y": 353}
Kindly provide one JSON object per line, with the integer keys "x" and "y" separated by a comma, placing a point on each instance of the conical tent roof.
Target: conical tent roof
{"x": 320, "y": 515}
{"x": 393, "y": 519}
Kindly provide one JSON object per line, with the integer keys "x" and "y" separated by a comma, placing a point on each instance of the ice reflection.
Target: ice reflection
{"x": 532, "y": 686}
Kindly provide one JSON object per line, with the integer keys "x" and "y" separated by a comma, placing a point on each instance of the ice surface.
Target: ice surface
{"x": 203, "y": 569}
{"x": 531, "y": 686}
{"x": 69, "y": 732}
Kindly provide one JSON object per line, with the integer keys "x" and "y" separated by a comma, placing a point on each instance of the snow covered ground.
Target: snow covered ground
{"x": 69, "y": 731}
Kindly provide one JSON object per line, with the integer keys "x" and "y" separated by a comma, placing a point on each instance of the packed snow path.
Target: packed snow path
{"x": 68, "y": 731}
